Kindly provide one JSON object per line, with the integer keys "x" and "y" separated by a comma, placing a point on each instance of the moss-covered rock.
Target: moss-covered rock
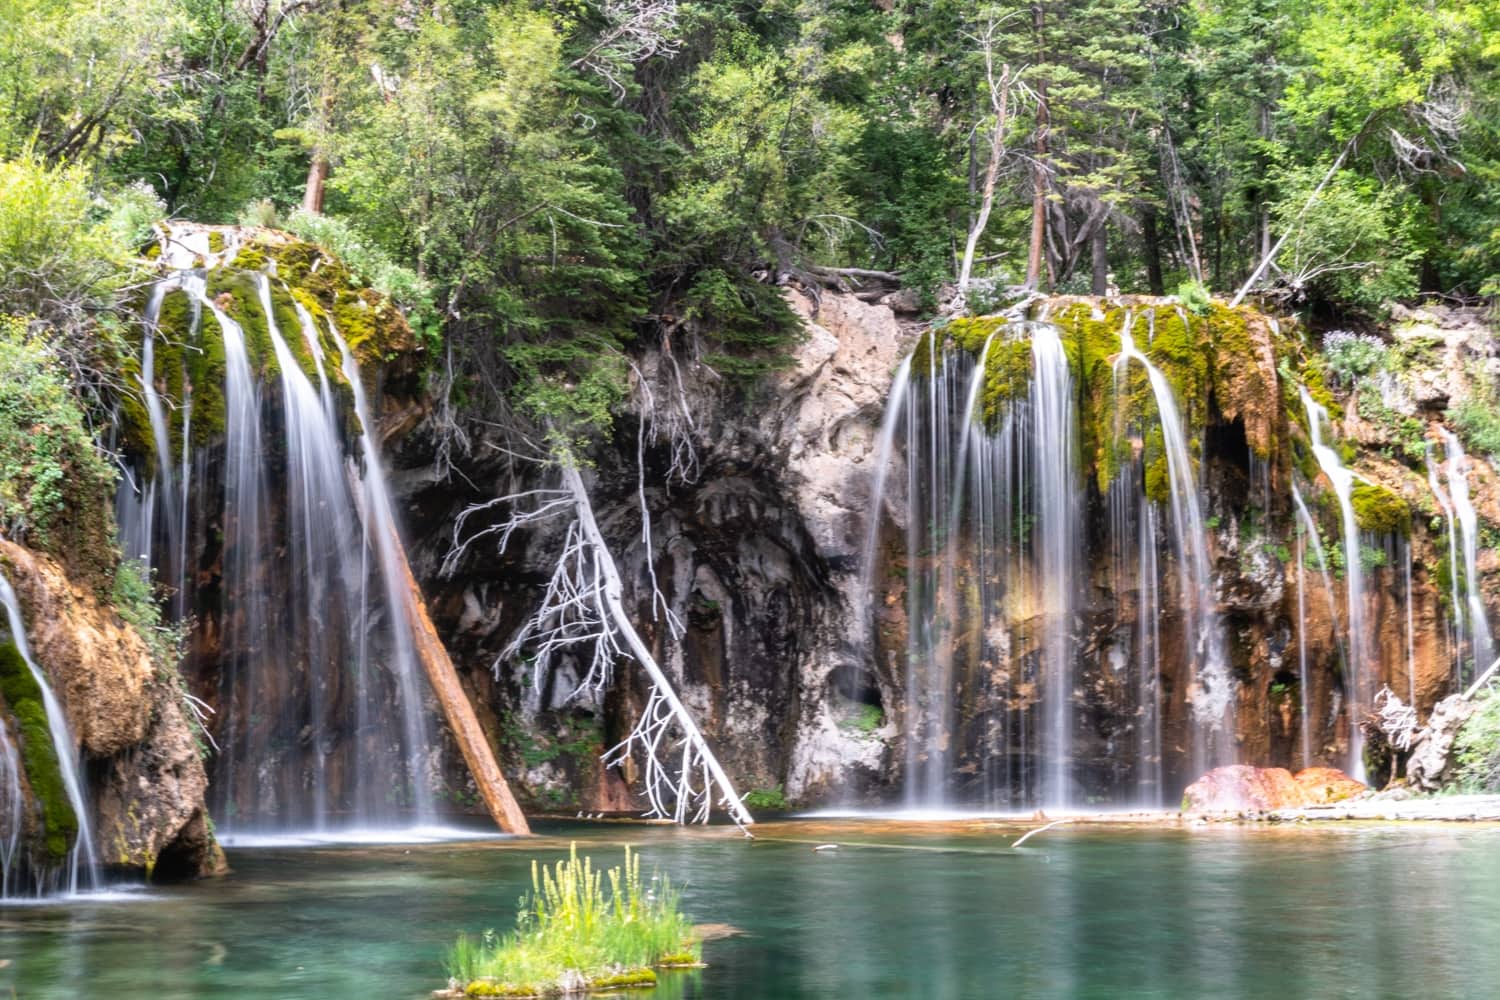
{"x": 1380, "y": 510}
{"x": 23, "y": 697}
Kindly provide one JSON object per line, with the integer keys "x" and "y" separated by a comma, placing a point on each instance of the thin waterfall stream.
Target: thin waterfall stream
{"x": 82, "y": 870}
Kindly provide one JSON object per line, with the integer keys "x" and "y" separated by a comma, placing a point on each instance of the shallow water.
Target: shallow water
{"x": 901, "y": 910}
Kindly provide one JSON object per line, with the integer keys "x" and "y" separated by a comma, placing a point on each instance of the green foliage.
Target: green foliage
{"x": 58, "y": 255}
{"x": 1477, "y": 422}
{"x": 55, "y": 488}
{"x": 1476, "y": 749}
{"x": 23, "y": 696}
{"x": 865, "y": 721}
{"x": 768, "y": 799}
{"x": 1194, "y": 298}
{"x": 1352, "y": 356}
{"x": 570, "y": 927}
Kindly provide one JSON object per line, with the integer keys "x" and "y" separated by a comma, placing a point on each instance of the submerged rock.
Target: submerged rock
{"x": 1243, "y": 788}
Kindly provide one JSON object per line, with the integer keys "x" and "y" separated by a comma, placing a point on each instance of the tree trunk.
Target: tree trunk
{"x": 1001, "y": 103}
{"x": 1038, "y": 197}
{"x": 462, "y": 721}
{"x": 1039, "y": 170}
{"x": 312, "y": 195}
{"x": 1152, "y": 240}
{"x": 1099, "y": 259}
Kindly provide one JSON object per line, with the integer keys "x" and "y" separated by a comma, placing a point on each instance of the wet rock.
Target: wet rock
{"x": 98, "y": 664}
{"x": 1241, "y": 788}
{"x": 144, "y": 759}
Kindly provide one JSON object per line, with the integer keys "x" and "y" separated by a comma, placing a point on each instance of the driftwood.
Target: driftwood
{"x": 462, "y": 721}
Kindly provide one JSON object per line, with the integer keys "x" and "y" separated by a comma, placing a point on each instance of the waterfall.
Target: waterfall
{"x": 1360, "y": 673}
{"x": 11, "y": 806}
{"x": 1213, "y": 702}
{"x": 1054, "y": 473}
{"x": 1304, "y": 681}
{"x": 1480, "y": 641}
{"x": 380, "y": 521}
{"x": 321, "y": 716}
{"x": 1456, "y": 607}
{"x": 1411, "y": 630}
{"x": 1150, "y": 781}
{"x": 83, "y": 864}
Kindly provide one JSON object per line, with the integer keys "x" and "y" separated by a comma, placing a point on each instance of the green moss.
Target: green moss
{"x": 679, "y": 960}
{"x": 205, "y": 374}
{"x": 625, "y": 980}
{"x": 23, "y": 695}
{"x": 1313, "y": 379}
{"x": 1007, "y": 377}
{"x": 215, "y": 242}
{"x": 971, "y": 332}
{"x": 926, "y": 354}
{"x": 1380, "y": 510}
{"x": 1091, "y": 343}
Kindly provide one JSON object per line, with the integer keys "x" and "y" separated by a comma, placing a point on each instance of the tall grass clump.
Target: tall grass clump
{"x": 572, "y": 935}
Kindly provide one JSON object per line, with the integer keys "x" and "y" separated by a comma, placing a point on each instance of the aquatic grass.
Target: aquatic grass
{"x": 573, "y": 935}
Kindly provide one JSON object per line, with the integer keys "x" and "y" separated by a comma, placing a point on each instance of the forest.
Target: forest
{"x": 544, "y": 185}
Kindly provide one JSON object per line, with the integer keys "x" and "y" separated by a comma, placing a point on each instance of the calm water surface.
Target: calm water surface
{"x": 923, "y": 911}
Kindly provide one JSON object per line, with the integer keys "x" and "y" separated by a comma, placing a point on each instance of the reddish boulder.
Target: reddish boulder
{"x": 1243, "y": 788}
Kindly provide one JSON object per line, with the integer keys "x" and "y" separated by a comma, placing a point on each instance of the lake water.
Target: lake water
{"x": 901, "y": 910}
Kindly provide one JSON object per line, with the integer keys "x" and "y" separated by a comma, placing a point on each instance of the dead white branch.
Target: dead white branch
{"x": 583, "y": 605}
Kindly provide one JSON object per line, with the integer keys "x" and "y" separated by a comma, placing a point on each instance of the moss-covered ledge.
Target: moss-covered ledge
{"x": 21, "y": 697}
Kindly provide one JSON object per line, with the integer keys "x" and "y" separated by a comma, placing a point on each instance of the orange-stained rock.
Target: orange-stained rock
{"x": 1245, "y": 788}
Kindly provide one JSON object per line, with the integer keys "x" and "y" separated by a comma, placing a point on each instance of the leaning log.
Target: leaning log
{"x": 462, "y": 721}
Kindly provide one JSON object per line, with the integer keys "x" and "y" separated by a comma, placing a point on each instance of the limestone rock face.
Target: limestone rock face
{"x": 97, "y": 663}
{"x": 1241, "y": 788}
{"x": 148, "y": 779}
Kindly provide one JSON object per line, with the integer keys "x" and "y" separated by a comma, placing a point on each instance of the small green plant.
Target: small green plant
{"x": 865, "y": 721}
{"x": 769, "y": 799}
{"x": 1352, "y": 356}
{"x": 573, "y": 936}
{"x": 1194, "y": 298}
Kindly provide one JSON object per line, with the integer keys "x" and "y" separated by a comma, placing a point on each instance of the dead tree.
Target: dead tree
{"x": 582, "y": 606}
{"x": 1000, "y": 86}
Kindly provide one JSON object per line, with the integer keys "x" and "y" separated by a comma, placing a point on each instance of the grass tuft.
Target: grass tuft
{"x": 573, "y": 935}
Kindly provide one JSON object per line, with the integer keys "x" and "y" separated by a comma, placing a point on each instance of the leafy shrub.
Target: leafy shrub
{"x": 769, "y": 799}
{"x": 1478, "y": 423}
{"x": 570, "y": 931}
{"x": 1477, "y": 748}
{"x": 57, "y": 256}
{"x": 55, "y": 487}
{"x": 1194, "y": 298}
{"x": 1352, "y": 356}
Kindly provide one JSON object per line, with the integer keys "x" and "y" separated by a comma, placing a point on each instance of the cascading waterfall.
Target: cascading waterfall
{"x": 1456, "y": 619}
{"x": 1480, "y": 642}
{"x": 1360, "y": 671}
{"x": 380, "y": 521}
{"x": 322, "y": 722}
{"x": 11, "y": 820}
{"x": 1213, "y": 701}
{"x": 83, "y": 863}
{"x": 1054, "y": 471}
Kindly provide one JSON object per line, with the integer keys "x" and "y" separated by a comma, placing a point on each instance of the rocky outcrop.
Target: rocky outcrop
{"x": 1241, "y": 788}
{"x": 144, "y": 759}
